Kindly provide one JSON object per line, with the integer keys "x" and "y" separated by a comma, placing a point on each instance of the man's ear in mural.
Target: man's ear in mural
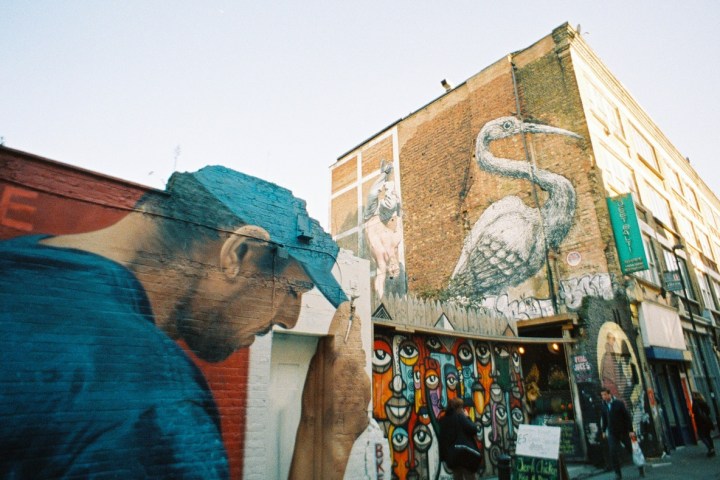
{"x": 246, "y": 243}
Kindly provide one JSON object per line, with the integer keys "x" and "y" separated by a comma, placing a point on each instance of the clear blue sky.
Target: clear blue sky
{"x": 281, "y": 89}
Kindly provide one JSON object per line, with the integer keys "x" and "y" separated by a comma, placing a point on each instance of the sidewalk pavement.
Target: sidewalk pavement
{"x": 685, "y": 463}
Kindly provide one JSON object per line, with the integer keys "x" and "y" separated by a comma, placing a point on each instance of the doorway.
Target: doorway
{"x": 671, "y": 399}
{"x": 291, "y": 355}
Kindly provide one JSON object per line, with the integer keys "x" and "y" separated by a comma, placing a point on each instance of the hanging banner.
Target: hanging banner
{"x": 626, "y": 230}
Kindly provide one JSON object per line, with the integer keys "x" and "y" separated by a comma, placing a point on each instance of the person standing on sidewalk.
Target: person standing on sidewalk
{"x": 616, "y": 427}
{"x": 703, "y": 422}
{"x": 457, "y": 445}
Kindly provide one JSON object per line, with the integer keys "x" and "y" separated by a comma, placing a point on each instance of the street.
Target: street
{"x": 689, "y": 463}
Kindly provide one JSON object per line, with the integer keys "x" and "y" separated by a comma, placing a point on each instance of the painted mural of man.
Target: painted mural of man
{"x": 204, "y": 265}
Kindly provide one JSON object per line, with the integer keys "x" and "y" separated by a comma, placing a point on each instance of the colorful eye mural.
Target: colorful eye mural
{"x": 414, "y": 376}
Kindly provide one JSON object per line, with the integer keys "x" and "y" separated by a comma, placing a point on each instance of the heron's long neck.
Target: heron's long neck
{"x": 559, "y": 208}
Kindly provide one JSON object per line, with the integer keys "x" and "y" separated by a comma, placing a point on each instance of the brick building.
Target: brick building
{"x": 540, "y": 192}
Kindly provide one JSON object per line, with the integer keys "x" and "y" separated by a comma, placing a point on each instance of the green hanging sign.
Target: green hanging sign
{"x": 626, "y": 230}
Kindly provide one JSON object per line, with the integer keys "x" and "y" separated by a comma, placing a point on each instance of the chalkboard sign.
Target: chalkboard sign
{"x": 537, "y": 454}
{"x": 570, "y": 446}
{"x": 531, "y": 468}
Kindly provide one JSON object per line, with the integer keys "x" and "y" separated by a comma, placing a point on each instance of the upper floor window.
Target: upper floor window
{"x": 691, "y": 197}
{"x": 673, "y": 265}
{"x": 604, "y": 109}
{"x": 707, "y": 296}
{"x": 686, "y": 229}
{"x": 645, "y": 151}
{"x": 657, "y": 204}
{"x": 716, "y": 290}
{"x": 704, "y": 242}
{"x": 652, "y": 274}
{"x": 617, "y": 176}
{"x": 674, "y": 180}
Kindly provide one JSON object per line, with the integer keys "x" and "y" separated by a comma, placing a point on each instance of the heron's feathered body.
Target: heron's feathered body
{"x": 506, "y": 245}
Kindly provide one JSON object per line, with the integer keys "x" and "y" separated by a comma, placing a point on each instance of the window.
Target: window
{"x": 696, "y": 342}
{"x": 704, "y": 243}
{"x": 643, "y": 148}
{"x": 691, "y": 197}
{"x": 657, "y": 204}
{"x": 674, "y": 180}
{"x": 651, "y": 274}
{"x": 705, "y": 292}
{"x": 716, "y": 290}
{"x": 672, "y": 266}
{"x": 604, "y": 109}
{"x": 686, "y": 229}
{"x": 617, "y": 176}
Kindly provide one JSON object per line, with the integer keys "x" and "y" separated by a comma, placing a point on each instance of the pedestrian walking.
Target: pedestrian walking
{"x": 616, "y": 427}
{"x": 458, "y": 448}
{"x": 703, "y": 422}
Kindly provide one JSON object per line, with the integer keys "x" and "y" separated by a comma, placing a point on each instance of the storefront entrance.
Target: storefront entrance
{"x": 672, "y": 402}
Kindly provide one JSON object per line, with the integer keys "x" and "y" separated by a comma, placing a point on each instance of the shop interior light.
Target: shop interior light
{"x": 521, "y": 350}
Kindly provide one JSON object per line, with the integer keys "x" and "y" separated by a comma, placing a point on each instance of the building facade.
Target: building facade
{"x": 539, "y": 191}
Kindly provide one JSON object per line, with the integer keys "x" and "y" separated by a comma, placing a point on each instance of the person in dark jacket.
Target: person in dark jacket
{"x": 616, "y": 426}
{"x": 703, "y": 422}
{"x": 457, "y": 442}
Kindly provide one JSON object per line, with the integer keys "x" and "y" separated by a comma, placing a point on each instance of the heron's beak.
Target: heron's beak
{"x": 537, "y": 128}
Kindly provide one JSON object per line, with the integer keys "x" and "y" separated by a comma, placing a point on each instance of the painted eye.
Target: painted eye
{"x": 501, "y": 414}
{"x": 464, "y": 354}
{"x": 486, "y": 418}
{"x": 516, "y": 358}
{"x": 422, "y": 438}
{"x": 451, "y": 381}
{"x": 482, "y": 350}
{"x": 433, "y": 343}
{"x": 502, "y": 351}
{"x": 400, "y": 439}
{"x": 517, "y": 416}
{"x": 381, "y": 361}
{"x": 507, "y": 125}
{"x": 416, "y": 377}
{"x": 432, "y": 381}
{"x": 408, "y": 353}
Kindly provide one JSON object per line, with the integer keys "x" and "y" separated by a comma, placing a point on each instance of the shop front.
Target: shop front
{"x": 668, "y": 359}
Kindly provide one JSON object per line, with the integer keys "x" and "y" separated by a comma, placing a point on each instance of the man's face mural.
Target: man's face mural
{"x": 415, "y": 375}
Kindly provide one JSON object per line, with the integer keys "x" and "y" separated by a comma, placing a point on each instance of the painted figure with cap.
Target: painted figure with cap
{"x": 90, "y": 321}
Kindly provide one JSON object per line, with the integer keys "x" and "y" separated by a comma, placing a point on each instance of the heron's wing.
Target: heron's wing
{"x": 501, "y": 248}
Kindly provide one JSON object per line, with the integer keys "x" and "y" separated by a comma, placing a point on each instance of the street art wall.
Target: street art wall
{"x": 415, "y": 375}
{"x": 367, "y": 214}
{"x": 620, "y": 370}
{"x": 126, "y": 313}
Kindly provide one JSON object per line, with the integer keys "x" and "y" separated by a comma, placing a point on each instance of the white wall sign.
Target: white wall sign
{"x": 538, "y": 441}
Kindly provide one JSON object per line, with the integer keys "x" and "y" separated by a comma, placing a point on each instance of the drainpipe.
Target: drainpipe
{"x": 531, "y": 160}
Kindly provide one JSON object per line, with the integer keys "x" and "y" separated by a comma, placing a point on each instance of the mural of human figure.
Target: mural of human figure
{"x": 93, "y": 379}
{"x": 613, "y": 377}
{"x": 619, "y": 372}
{"x": 383, "y": 230}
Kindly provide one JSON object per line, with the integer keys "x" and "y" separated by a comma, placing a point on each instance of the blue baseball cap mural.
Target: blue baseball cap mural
{"x": 248, "y": 199}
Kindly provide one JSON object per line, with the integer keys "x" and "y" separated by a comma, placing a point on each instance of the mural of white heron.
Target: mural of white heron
{"x": 506, "y": 245}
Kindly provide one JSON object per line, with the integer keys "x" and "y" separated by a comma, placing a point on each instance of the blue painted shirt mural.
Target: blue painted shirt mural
{"x": 75, "y": 393}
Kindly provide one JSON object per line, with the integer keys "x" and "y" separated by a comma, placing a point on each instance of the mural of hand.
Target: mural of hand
{"x": 334, "y": 402}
